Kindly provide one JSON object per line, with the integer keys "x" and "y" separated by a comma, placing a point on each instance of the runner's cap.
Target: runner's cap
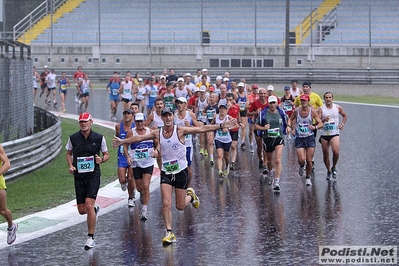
{"x": 304, "y": 97}
{"x": 270, "y": 88}
{"x": 181, "y": 99}
{"x": 83, "y": 117}
{"x": 139, "y": 117}
{"x": 272, "y": 99}
{"x": 166, "y": 110}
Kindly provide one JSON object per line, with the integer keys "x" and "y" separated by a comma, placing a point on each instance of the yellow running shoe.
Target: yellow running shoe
{"x": 169, "y": 238}
{"x": 205, "y": 152}
{"x": 195, "y": 200}
{"x": 201, "y": 150}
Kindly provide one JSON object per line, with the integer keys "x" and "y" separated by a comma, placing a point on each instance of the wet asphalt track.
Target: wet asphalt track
{"x": 240, "y": 221}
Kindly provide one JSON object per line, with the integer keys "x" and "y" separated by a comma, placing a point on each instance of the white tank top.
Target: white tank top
{"x": 303, "y": 123}
{"x": 84, "y": 87}
{"x": 181, "y": 93}
{"x": 173, "y": 153}
{"x": 201, "y": 107}
{"x": 295, "y": 93}
{"x": 157, "y": 120}
{"x": 140, "y": 92}
{"x": 188, "y": 140}
{"x": 331, "y": 127}
{"x": 141, "y": 152}
{"x": 127, "y": 90}
{"x": 221, "y": 136}
{"x": 34, "y": 81}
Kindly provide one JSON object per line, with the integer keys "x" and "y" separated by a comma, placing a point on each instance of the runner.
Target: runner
{"x": 113, "y": 91}
{"x": 241, "y": 101}
{"x": 329, "y": 134}
{"x": 222, "y": 141}
{"x": 140, "y": 91}
{"x": 256, "y": 107}
{"x": 43, "y": 82}
{"x": 301, "y": 121}
{"x": 201, "y": 102}
{"x": 288, "y": 105}
{"x": 154, "y": 121}
{"x": 169, "y": 96}
{"x": 63, "y": 84}
{"x": 251, "y": 121}
{"x": 125, "y": 172}
{"x": 51, "y": 84}
{"x": 126, "y": 90}
{"x": 83, "y": 158}
{"x": 84, "y": 96}
{"x": 211, "y": 110}
{"x": 12, "y": 227}
{"x": 174, "y": 165}
{"x": 234, "y": 112}
{"x": 140, "y": 156}
{"x": 272, "y": 121}
{"x": 36, "y": 78}
{"x": 184, "y": 117}
{"x": 181, "y": 90}
{"x": 150, "y": 94}
{"x": 78, "y": 77}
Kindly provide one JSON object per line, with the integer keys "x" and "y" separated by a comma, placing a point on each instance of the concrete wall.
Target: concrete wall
{"x": 196, "y": 56}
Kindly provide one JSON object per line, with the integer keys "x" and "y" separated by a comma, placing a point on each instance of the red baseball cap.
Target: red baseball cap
{"x": 211, "y": 88}
{"x": 85, "y": 117}
{"x": 304, "y": 97}
{"x": 255, "y": 86}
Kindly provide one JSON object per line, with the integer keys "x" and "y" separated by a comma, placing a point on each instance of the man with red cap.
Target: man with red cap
{"x": 301, "y": 125}
{"x": 83, "y": 158}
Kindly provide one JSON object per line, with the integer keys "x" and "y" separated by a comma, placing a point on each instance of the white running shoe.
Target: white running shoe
{"x": 143, "y": 215}
{"x": 308, "y": 182}
{"x": 130, "y": 203}
{"x": 276, "y": 186}
{"x": 251, "y": 148}
{"x": 12, "y": 233}
{"x": 89, "y": 243}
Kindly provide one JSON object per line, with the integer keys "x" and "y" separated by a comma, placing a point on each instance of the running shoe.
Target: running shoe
{"x": 169, "y": 238}
{"x": 195, "y": 200}
{"x": 334, "y": 173}
{"x": 276, "y": 186}
{"x": 124, "y": 186}
{"x": 251, "y": 148}
{"x": 55, "y": 103}
{"x": 301, "y": 170}
{"x": 143, "y": 215}
{"x": 242, "y": 146}
{"x": 226, "y": 172}
{"x": 271, "y": 176}
{"x": 328, "y": 175}
{"x": 211, "y": 162}
{"x": 265, "y": 171}
{"x": 220, "y": 174}
{"x": 12, "y": 233}
{"x": 232, "y": 164}
{"x": 205, "y": 152}
{"x": 308, "y": 182}
{"x": 89, "y": 243}
{"x": 130, "y": 202}
{"x": 113, "y": 118}
{"x": 201, "y": 151}
{"x": 76, "y": 98}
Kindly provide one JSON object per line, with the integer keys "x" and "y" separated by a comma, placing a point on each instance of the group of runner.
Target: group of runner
{"x": 213, "y": 116}
{"x": 49, "y": 83}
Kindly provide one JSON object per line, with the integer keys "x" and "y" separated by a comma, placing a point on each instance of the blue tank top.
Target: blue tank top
{"x": 63, "y": 83}
{"x": 114, "y": 88}
{"x": 241, "y": 102}
{"x": 122, "y": 135}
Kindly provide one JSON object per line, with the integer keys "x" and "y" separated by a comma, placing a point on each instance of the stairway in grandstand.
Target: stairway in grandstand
{"x": 45, "y": 22}
{"x": 302, "y": 31}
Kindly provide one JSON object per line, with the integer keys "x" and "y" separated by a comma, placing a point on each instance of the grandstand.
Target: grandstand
{"x": 228, "y": 22}
{"x": 225, "y": 33}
